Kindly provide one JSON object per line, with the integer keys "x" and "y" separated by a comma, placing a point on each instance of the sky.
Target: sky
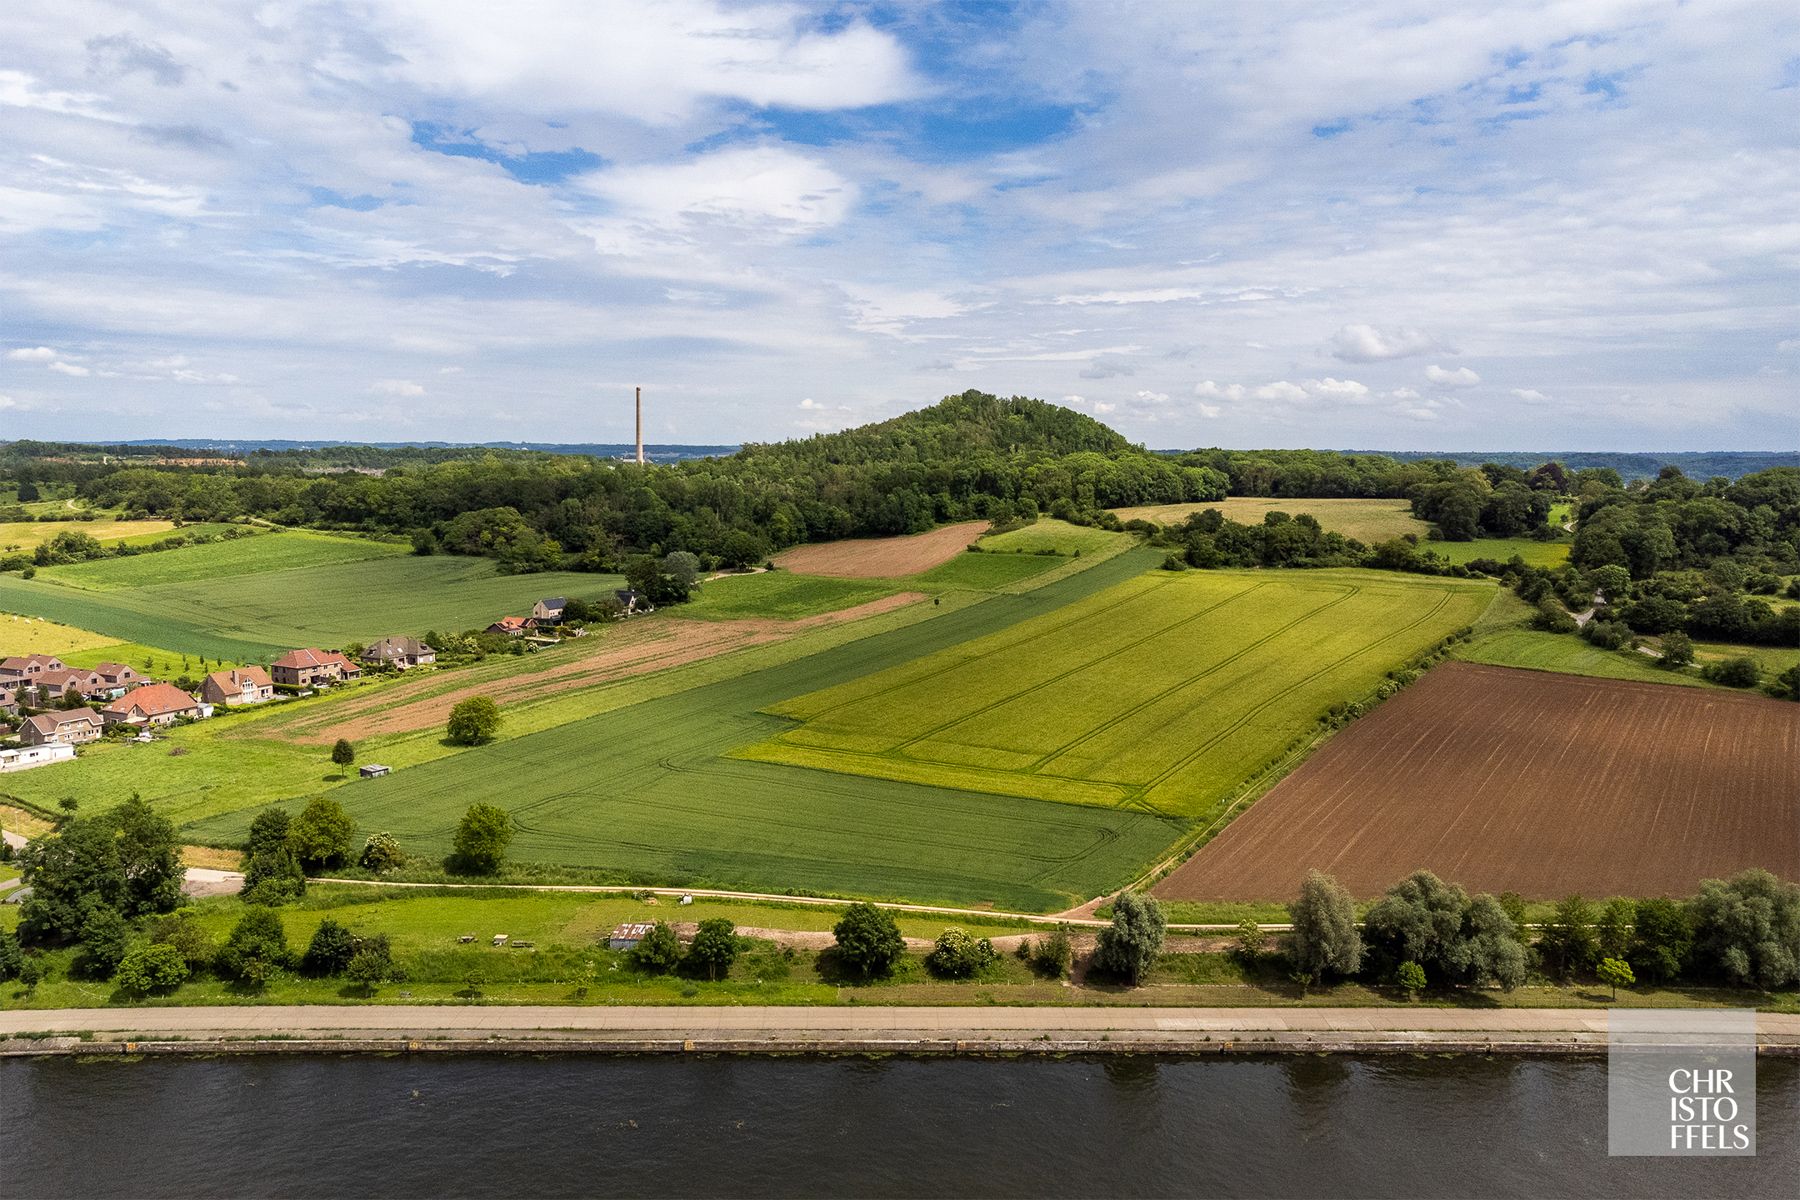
{"x": 1568, "y": 224}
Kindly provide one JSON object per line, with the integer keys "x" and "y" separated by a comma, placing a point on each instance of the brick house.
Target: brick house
{"x": 312, "y": 668}
{"x": 152, "y": 704}
{"x": 24, "y": 670}
{"x": 70, "y": 727}
{"x": 239, "y": 685}
{"x": 510, "y": 626}
{"x": 54, "y": 685}
{"x": 119, "y": 676}
{"x": 402, "y": 652}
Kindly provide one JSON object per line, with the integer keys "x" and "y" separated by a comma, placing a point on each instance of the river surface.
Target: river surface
{"x": 577, "y": 1126}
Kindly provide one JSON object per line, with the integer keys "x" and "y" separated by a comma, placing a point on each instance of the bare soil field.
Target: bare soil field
{"x": 1543, "y": 784}
{"x": 635, "y": 648}
{"x": 881, "y": 558}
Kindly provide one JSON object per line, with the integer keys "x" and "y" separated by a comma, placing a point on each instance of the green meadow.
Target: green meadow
{"x": 251, "y": 599}
{"x": 1534, "y": 552}
{"x": 1163, "y": 693}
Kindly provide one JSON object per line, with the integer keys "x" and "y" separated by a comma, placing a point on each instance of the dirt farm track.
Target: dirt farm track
{"x": 1526, "y": 781}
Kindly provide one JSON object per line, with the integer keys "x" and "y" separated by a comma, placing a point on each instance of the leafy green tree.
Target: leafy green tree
{"x": 11, "y": 956}
{"x": 32, "y": 972}
{"x": 482, "y": 836}
{"x": 322, "y": 834}
{"x": 868, "y": 941}
{"x": 958, "y": 955}
{"x": 381, "y": 853}
{"x": 1251, "y": 940}
{"x": 474, "y": 721}
{"x": 149, "y": 967}
{"x": 1662, "y": 938}
{"x": 715, "y": 946}
{"x": 1786, "y": 685}
{"x": 1677, "y": 651}
{"x": 343, "y": 753}
{"x": 1127, "y": 948}
{"x": 1740, "y": 672}
{"x": 1747, "y": 929}
{"x": 268, "y": 831}
{"x": 330, "y": 950}
{"x": 1615, "y": 974}
{"x": 373, "y": 963}
{"x": 1324, "y": 938}
{"x": 273, "y": 877}
{"x": 189, "y": 938}
{"x": 1410, "y": 976}
{"x": 149, "y": 857}
{"x": 658, "y": 950}
{"x": 1492, "y": 951}
{"x": 104, "y": 937}
{"x": 1054, "y": 953}
{"x": 1612, "y": 928}
{"x": 256, "y": 948}
{"x": 1568, "y": 943}
{"x": 1456, "y": 939}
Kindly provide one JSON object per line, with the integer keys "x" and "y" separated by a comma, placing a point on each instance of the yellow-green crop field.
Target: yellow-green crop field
{"x": 1162, "y": 693}
{"x": 1368, "y": 521}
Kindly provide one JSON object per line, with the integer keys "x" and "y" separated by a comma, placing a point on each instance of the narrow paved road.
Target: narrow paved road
{"x": 749, "y": 1022}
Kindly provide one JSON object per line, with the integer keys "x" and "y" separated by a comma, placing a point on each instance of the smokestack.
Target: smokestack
{"x": 640, "y": 425}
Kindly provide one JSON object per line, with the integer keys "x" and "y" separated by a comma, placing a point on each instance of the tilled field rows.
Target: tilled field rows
{"x": 1508, "y": 780}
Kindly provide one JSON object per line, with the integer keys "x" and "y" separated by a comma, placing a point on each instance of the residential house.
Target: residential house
{"x": 24, "y": 758}
{"x": 15, "y": 672}
{"x": 510, "y": 626}
{"x": 9, "y": 702}
{"x": 119, "y": 677}
{"x": 402, "y": 652}
{"x": 153, "y": 704}
{"x": 549, "y": 611}
{"x": 634, "y": 601}
{"x": 239, "y": 685}
{"x": 54, "y": 685}
{"x": 311, "y": 668}
{"x": 69, "y": 727}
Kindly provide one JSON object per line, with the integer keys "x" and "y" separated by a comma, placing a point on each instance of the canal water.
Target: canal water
{"x": 602, "y": 1126}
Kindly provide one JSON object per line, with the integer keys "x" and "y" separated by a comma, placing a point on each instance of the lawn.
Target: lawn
{"x": 779, "y": 594}
{"x": 1164, "y": 693}
{"x": 1368, "y": 521}
{"x": 646, "y": 793}
{"x": 1055, "y": 537}
{"x": 224, "y": 561}
{"x": 1534, "y": 552}
{"x": 252, "y": 617}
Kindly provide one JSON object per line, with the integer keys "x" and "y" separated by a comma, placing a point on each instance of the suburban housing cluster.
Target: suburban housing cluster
{"x": 113, "y": 694}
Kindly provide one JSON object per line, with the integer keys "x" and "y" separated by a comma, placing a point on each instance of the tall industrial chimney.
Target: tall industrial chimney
{"x": 640, "y": 425}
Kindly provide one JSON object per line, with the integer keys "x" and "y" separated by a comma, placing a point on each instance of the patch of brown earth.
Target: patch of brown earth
{"x": 881, "y": 558}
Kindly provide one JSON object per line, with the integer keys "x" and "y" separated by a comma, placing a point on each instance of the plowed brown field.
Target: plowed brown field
{"x": 1543, "y": 784}
{"x": 881, "y": 558}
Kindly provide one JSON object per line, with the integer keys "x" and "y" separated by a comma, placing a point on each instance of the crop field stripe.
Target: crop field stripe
{"x": 1190, "y": 680}
{"x": 899, "y": 750}
{"x": 1190, "y": 758}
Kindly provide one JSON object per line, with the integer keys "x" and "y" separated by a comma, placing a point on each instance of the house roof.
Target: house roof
{"x": 555, "y": 602}
{"x": 20, "y": 662}
{"x": 112, "y": 670}
{"x": 50, "y": 722}
{"x": 302, "y": 659}
{"x": 234, "y": 678}
{"x": 397, "y": 646}
{"x": 508, "y": 623}
{"x": 153, "y": 700}
{"x": 66, "y": 678}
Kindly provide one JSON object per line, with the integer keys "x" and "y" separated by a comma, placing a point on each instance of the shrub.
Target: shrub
{"x": 868, "y": 941}
{"x": 373, "y": 963}
{"x": 659, "y": 950}
{"x": 256, "y": 949}
{"x": 11, "y": 956}
{"x": 1738, "y": 672}
{"x": 958, "y": 955}
{"x": 104, "y": 936}
{"x": 715, "y": 946}
{"x": 1410, "y": 976}
{"x": 1615, "y": 974}
{"x": 1128, "y": 947}
{"x": 1786, "y": 686}
{"x": 482, "y": 837}
{"x": 1054, "y": 953}
{"x": 151, "y": 967}
{"x": 330, "y": 950}
{"x": 381, "y": 853}
{"x": 474, "y": 721}
{"x": 185, "y": 934}
{"x": 1677, "y": 651}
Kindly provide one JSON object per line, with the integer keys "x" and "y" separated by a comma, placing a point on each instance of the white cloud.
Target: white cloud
{"x": 1531, "y": 395}
{"x": 7, "y": 401}
{"x": 1209, "y": 411}
{"x": 397, "y": 388}
{"x": 1461, "y": 377}
{"x": 32, "y": 354}
{"x": 1366, "y": 343}
{"x": 68, "y": 368}
{"x": 765, "y": 188}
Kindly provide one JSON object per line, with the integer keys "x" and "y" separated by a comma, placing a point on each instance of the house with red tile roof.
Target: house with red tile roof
{"x": 152, "y": 704}
{"x": 511, "y": 626}
{"x": 239, "y": 685}
{"x": 312, "y": 668}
